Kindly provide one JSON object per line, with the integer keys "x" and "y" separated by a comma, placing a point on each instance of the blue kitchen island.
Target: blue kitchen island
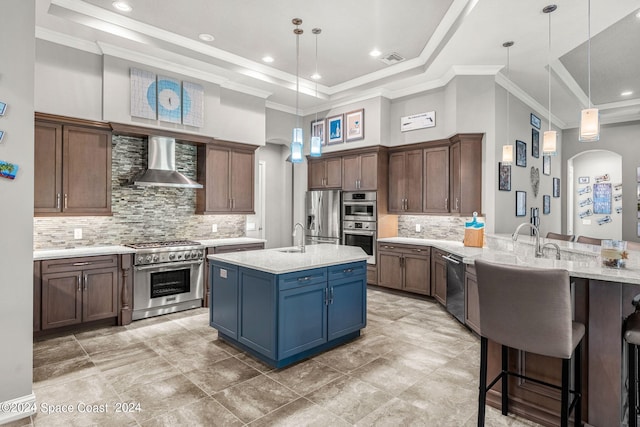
{"x": 282, "y": 305}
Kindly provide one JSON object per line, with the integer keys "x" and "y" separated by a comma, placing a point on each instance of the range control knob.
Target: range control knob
{"x": 156, "y": 258}
{"x": 172, "y": 256}
{"x": 194, "y": 254}
{"x": 199, "y": 254}
{"x": 148, "y": 258}
{"x": 180, "y": 256}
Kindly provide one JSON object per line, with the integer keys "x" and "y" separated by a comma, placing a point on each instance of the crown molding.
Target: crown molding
{"x": 238, "y": 87}
{"x": 67, "y": 40}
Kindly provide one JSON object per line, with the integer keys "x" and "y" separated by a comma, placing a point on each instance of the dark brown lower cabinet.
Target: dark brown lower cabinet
{"x": 225, "y": 250}
{"x": 471, "y": 308}
{"x": 77, "y": 290}
{"x": 439, "y": 276}
{"x": 404, "y": 267}
{"x": 372, "y": 274}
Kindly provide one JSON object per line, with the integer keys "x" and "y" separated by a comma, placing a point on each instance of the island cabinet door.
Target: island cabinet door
{"x": 224, "y": 299}
{"x": 347, "y": 305}
{"x": 257, "y": 317}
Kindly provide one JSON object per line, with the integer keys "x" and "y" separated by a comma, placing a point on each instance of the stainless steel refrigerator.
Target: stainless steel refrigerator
{"x": 323, "y": 222}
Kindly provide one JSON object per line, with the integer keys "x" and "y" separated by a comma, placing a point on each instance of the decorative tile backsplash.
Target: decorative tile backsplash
{"x": 433, "y": 227}
{"x": 139, "y": 213}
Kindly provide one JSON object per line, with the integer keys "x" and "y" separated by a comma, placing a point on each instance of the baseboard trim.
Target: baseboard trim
{"x": 18, "y": 408}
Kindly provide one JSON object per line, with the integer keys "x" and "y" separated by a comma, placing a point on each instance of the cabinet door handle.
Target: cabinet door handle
{"x": 304, "y": 279}
{"x": 457, "y": 205}
{"x": 401, "y": 261}
{"x": 347, "y": 270}
{"x": 79, "y": 282}
{"x": 326, "y": 297}
{"x": 66, "y": 205}
{"x": 331, "y": 295}
{"x": 85, "y": 282}
{"x": 58, "y": 201}
{"x": 417, "y": 250}
{"x": 81, "y": 263}
{"x": 446, "y": 199}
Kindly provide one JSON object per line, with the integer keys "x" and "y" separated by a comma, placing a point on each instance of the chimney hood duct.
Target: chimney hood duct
{"x": 161, "y": 171}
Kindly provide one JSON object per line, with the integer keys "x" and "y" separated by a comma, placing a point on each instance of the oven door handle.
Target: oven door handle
{"x": 360, "y": 233}
{"x": 166, "y": 265}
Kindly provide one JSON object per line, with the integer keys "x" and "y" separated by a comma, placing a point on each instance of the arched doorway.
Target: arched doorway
{"x": 594, "y": 194}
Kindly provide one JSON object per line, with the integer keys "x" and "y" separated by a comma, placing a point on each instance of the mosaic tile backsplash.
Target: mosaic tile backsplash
{"x": 139, "y": 213}
{"x": 433, "y": 227}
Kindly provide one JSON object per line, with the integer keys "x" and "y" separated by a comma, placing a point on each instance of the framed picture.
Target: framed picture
{"x": 143, "y": 94}
{"x": 521, "y": 153}
{"x": 3, "y": 108}
{"x": 8, "y": 170}
{"x": 504, "y": 177}
{"x": 355, "y": 125}
{"x": 583, "y": 180}
{"x": 192, "y": 104}
{"x": 169, "y": 94}
{"x": 602, "y": 198}
{"x": 535, "y": 143}
{"x": 317, "y": 129}
{"x": 335, "y": 129}
{"x": 521, "y": 203}
{"x": 535, "y": 121}
{"x": 556, "y": 187}
{"x": 546, "y": 204}
{"x": 546, "y": 165}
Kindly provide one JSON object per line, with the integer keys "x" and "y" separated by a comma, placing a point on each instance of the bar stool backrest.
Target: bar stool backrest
{"x": 589, "y": 240}
{"x": 526, "y": 308}
{"x": 558, "y": 236}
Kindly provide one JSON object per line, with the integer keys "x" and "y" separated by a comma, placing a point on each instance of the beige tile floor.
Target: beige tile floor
{"x": 414, "y": 365}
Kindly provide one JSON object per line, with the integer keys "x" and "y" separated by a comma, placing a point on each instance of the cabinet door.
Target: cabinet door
{"x": 302, "y": 318}
{"x": 397, "y": 182}
{"x": 224, "y": 299}
{"x": 413, "y": 181}
{"x": 218, "y": 197}
{"x": 417, "y": 273}
{"x": 242, "y": 167}
{"x": 257, "y": 319}
{"x": 350, "y": 173}
{"x": 347, "y": 306}
{"x": 99, "y": 294}
{"x": 390, "y": 269}
{"x": 471, "y": 306}
{"x": 316, "y": 174}
{"x": 61, "y": 299}
{"x": 454, "y": 193}
{"x": 333, "y": 176}
{"x": 86, "y": 171}
{"x": 47, "y": 168}
{"x": 439, "y": 278}
{"x": 368, "y": 172}
{"x": 470, "y": 175}
{"x": 436, "y": 180}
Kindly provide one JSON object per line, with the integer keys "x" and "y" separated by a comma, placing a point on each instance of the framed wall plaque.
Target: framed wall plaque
{"x": 521, "y": 203}
{"x": 521, "y": 153}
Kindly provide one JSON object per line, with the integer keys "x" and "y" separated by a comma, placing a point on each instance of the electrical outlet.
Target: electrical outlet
{"x": 586, "y": 222}
{"x": 418, "y": 228}
{"x": 214, "y": 228}
{"x": 77, "y": 233}
{"x": 251, "y": 226}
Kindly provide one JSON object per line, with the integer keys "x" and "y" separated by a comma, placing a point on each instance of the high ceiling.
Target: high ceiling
{"x": 436, "y": 39}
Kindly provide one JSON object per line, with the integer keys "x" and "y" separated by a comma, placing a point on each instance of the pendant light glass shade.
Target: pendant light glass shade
{"x": 589, "y": 125}
{"x": 296, "y": 152}
{"x": 590, "y": 117}
{"x": 549, "y": 143}
{"x": 507, "y": 153}
{"x": 316, "y": 146}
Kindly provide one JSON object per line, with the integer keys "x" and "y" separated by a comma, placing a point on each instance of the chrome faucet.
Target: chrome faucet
{"x": 552, "y": 245}
{"x": 514, "y": 236}
{"x": 295, "y": 228}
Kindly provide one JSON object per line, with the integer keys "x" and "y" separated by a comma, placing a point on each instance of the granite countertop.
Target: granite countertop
{"x": 41, "y": 254}
{"x": 229, "y": 241}
{"x": 579, "y": 259}
{"x": 277, "y": 262}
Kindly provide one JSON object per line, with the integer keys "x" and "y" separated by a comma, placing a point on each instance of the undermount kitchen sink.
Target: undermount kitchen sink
{"x": 290, "y": 250}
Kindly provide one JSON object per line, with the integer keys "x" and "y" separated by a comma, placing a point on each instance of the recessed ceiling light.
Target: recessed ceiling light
{"x": 638, "y": 14}
{"x": 267, "y": 59}
{"x": 316, "y": 76}
{"x": 206, "y": 37}
{"x": 627, "y": 93}
{"x": 375, "y": 53}
{"x": 122, "y": 6}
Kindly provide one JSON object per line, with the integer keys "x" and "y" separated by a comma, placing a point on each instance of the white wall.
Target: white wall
{"x": 17, "y": 29}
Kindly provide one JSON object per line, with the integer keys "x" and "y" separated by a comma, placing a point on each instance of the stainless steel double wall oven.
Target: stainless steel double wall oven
{"x": 359, "y": 220}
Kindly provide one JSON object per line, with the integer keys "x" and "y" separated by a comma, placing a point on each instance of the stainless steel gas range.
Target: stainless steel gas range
{"x": 168, "y": 277}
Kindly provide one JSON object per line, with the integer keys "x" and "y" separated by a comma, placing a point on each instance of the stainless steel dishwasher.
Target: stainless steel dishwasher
{"x": 455, "y": 286}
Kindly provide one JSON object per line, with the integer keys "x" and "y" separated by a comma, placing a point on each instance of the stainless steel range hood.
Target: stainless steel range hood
{"x": 161, "y": 171}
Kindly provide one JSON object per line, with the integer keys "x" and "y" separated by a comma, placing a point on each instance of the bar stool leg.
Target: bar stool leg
{"x": 577, "y": 416}
{"x": 505, "y": 380}
{"x": 633, "y": 385}
{"x": 564, "y": 409}
{"x": 482, "y": 399}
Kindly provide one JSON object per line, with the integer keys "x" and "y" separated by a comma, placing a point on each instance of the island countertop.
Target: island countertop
{"x": 276, "y": 261}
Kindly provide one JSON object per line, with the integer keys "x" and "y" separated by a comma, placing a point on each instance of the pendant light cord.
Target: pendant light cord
{"x": 589, "y": 51}
{"x": 549, "y": 65}
{"x": 297, "y": 76}
{"x": 316, "y": 31}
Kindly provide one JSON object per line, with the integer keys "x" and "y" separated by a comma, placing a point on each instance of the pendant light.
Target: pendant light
{"x": 296, "y": 140}
{"x": 590, "y": 117}
{"x": 316, "y": 142}
{"x": 549, "y": 139}
{"x": 507, "y": 150}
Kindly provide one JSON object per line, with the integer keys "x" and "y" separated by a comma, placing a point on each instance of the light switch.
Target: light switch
{"x": 586, "y": 222}
{"x": 214, "y": 228}
{"x": 418, "y": 228}
{"x": 77, "y": 233}
{"x": 251, "y": 226}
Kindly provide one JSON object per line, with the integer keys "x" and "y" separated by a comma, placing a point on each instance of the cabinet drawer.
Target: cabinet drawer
{"x": 391, "y": 247}
{"x": 74, "y": 264}
{"x": 347, "y": 270}
{"x": 418, "y": 250}
{"x": 302, "y": 278}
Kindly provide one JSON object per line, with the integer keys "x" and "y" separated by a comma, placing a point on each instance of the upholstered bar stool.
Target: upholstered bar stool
{"x": 632, "y": 337}
{"x": 558, "y": 236}
{"x": 529, "y": 309}
{"x": 589, "y": 240}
